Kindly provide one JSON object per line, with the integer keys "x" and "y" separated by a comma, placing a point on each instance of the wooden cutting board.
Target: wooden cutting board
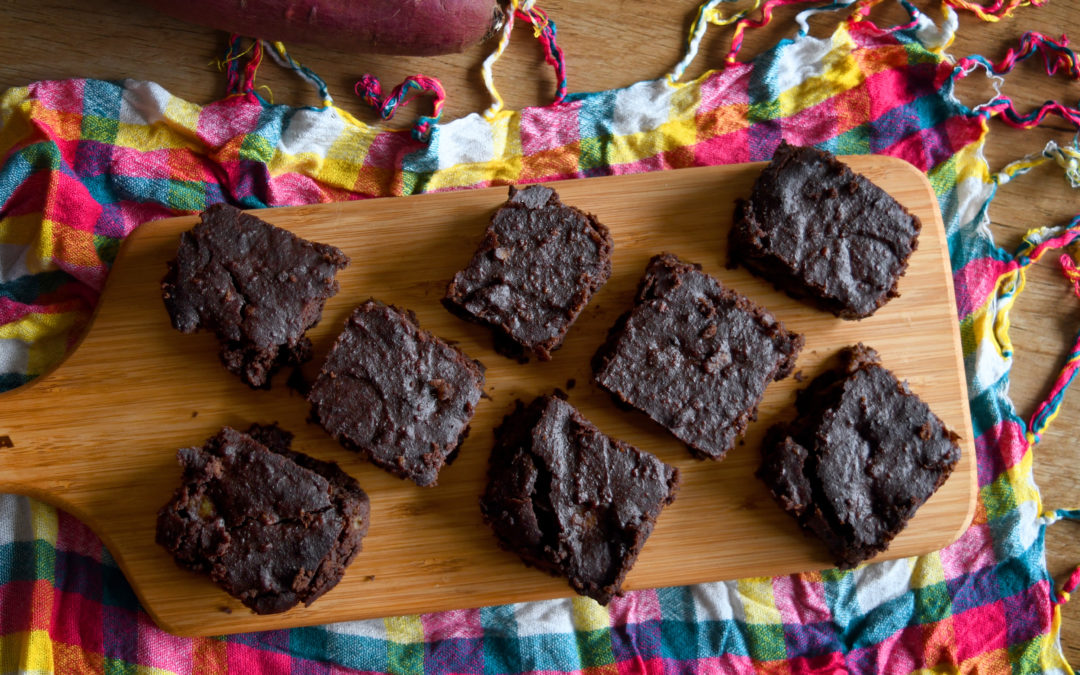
{"x": 98, "y": 436}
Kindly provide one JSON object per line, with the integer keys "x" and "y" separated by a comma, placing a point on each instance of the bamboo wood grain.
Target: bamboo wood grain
{"x": 98, "y": 436}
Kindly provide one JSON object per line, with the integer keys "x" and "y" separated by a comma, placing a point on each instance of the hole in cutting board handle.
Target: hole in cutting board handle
{"x": 6, "y": 442}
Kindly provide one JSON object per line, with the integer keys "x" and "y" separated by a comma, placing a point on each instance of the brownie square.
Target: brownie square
{"x": 396, "y": 394}
{"x": 271, "y": 526}
{"x": 539, "y": 264}
{"x": 694, "y": 356}
{"x": 863, "y": 454}
{"x": 821, "y": 232}
{"x": 570, "y": 500}
{"x": 258, "y": 287}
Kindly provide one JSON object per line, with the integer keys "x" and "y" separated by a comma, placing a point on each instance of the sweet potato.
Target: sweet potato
{"x": 406, "y": 27}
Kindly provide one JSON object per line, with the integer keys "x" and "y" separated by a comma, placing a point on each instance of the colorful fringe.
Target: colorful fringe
{"x": 84, "y": 162}
{"x": 1055, "y": 55}
{"x": 369, "y": 89}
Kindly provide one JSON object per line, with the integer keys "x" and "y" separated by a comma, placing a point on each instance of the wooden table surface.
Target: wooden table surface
{"x": 611, "y": 45}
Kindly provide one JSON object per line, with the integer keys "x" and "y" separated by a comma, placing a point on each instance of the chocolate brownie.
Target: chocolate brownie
{"x": 694, "y": 356}
{"x": 271, "y": 526}
{"x": 538, "y": 265}
{"x": 819, "y": 231}
{"x": 396, "y": 394}
{"x": 863, "y": 454}
{"x": 570, "y": 500}
{"x": 258, "y": 287}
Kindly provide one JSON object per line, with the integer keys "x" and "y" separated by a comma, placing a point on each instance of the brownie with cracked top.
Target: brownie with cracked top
{"x": 396, "y": 394}
{"x": 537, "y": 267}
{"x": 570, "y": 500}
{"x": 257, "y": 286}
{"x": 694, "y": 356}
{"x": 271, "y": 526}
{"x": 819, "y": 231}
{"x": 863, "y": 454}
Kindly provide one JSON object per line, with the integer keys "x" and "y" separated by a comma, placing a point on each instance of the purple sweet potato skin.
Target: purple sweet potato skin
{"x": 404, "y": 27}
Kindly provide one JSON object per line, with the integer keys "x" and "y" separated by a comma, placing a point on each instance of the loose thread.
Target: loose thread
{"x": 1068, "y": 268}
{"x": 242, "y": 81}
{"x": 864, "y": 7}
{"x": 1048, "y": 410}
{"x": 232, "y": 66}
{"x": 744, "y": 23}
{"x": 1068, "y": 587}
{"x": 283, "y": 58}
{"x": 370, "y": 90}
{"x": 1062, "y": 514}
{"x": 1032, "y": 248}
{"x": 934, "y": 37}
{"x": 1065, "y": 157}
{"x": 1010, "y": 116}
{"x": 544, "y": 30}
{"x": 693, "y": 39}
{"x": 1000, "y": 9}
{"x": 711, "y": 14}
{"x": 802, "y": 17}
{"x": 1055, "y": 54}
{"x": 252, "y": 67}
{"x": 230, "y": 55}
{"x": 488, "y": 66}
